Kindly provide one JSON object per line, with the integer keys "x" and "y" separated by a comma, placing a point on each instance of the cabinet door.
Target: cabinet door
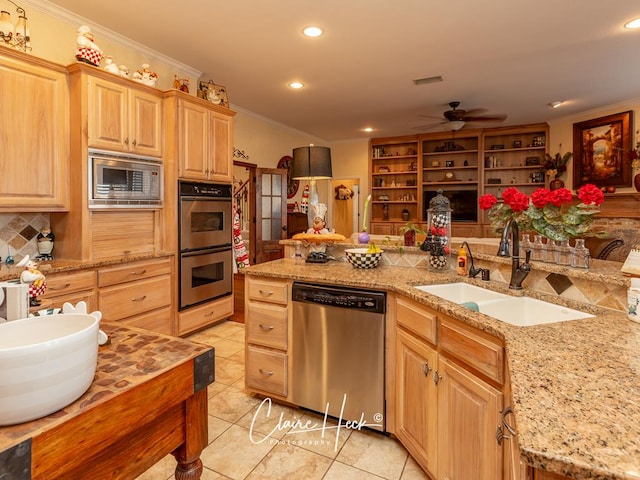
{"x": 107, "y": 123}
{"x": 34, "y": 127}
{"x": 193, "y": 139}
{"x": 118, "y": 233}
{"x": 220, "y": 148}
{"x": 416, "y": 399}
{"x": 145, "y": 112}
{"x": 468, "y": 416}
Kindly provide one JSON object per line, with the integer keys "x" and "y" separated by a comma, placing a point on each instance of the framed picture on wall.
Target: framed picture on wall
{"x": 601, "y": 151}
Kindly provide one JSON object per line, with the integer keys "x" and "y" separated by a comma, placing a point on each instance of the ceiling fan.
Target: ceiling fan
{"x": 456, "y": 118}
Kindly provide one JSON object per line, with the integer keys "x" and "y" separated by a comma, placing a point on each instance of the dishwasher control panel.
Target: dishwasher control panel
{"x": 371, "y": 301}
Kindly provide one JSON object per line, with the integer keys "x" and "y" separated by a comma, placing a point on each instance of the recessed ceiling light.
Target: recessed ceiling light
{"x": 367, "y": 129}
{"x": 312, "y": 31}
{"x": 635, "y": 23}
{"x": 555, "y": 104}
{"x": 296, "y": 85}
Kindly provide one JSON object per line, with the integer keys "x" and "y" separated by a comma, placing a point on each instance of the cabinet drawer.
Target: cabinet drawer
{"x": 203, "y": 315}
{"x": 160, "y": 321}
{"x": 477, "y": 351}
{"x": 272, "y": 291}
{"x": 133, "y": 271}
{"x": 267, "y": 325}
{"x": 266, "y": 370}
{"x": 417, "y": 318}
{"x": 64, "y": 283}
{"x": 88, "y": 296}
{"x": 134, "y": 298}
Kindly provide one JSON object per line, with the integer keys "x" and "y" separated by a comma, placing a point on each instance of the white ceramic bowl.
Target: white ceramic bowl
{"x": 46, "y": 363}
{"x": 360, "y": 258}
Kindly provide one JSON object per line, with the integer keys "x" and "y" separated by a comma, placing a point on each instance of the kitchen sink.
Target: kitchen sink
{"x": 461, "y": 292}
{"x": 520, "y": 311}
{"x": 526, "y": 311}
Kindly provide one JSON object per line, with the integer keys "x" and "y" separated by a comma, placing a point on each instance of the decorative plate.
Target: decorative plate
{"x": 292, "y": 185}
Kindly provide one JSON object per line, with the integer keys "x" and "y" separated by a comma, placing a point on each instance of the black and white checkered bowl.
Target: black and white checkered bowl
{"x": 360, "y": 258}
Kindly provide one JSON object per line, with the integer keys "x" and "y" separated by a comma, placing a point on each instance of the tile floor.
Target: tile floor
{"x": 246, "y": 442}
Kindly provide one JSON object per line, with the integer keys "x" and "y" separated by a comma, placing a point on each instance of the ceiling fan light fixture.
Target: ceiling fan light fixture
{"x": 455, "y": 125}
{"x": 423, "y": 81}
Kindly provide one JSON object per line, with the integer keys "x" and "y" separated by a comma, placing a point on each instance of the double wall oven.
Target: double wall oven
{"x": 205, "y": 242}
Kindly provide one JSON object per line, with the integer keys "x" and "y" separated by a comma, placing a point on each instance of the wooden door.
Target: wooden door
{"x": 108, "y": 107}
{"x": 34, "y": 132}
{"x": 416, "y": 399}
{"x": 271, "y": 213}
{"x": 145, "y": 123}
{"x": 342, "y": 207}
{"x": 220, "y": 148}
{"x": 468, "y": 416}
{"x": 193, "y": 140}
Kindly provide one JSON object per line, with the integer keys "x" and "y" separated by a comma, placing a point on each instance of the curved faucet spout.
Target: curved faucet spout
{"x": 519, "y": 271}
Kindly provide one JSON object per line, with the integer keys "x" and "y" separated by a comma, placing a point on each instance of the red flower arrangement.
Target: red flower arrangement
{"x": 549, "y": 213}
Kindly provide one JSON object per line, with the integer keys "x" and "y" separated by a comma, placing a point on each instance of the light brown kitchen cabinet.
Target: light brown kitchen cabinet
{"x": 203, "y": 137}
{"x": 34, "y": 126}
{"x": 71, "y": 287}
{"x": 195, "y": 318}
{"x": 123, "y": 118}
{"x": 267, "y": 329}
{"x": 447, "y": 405}
{"x": 138, "y": 293}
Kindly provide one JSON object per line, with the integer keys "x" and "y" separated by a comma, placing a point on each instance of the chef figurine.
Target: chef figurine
{"x": 88, "y": 51}
{"x": 45, "y": 244}
{"x": 34, "y": 278}
{"x": 319, "y": 227}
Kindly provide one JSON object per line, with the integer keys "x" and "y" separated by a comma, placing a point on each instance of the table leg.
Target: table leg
{"x": 196, "y": 436}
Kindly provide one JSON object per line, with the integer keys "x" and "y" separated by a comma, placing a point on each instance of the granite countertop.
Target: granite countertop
{"x": 575, "y": 385}
{"x": 11, "y": 272}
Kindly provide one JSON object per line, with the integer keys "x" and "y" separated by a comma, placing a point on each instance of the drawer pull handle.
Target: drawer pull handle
{"x": 139, "y": 273}
{"x": 266, "y": 372}
{"x": 266, "y": 293}
{"x": 209, "y": 314}
{"x": 266, "y": 327}
{"x": 66, "y": 285}
{"x": 138, "y": 299}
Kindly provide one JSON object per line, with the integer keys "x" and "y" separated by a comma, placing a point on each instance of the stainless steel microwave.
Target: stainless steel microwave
{"x": 118, "y": 180}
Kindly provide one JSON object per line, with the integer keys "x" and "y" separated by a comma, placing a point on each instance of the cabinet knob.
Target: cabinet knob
{"x": 436, "y": 377}
{"x": 426, "y": 368}
{"x": 133, "y": 143}
{"x": 126, "y": 141}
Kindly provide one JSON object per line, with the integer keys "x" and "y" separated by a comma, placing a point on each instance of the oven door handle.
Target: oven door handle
{"x": 185, "y": 198}
{"x": 204, "y": 251}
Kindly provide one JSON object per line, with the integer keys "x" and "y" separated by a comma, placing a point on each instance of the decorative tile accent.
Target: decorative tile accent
{"x": 19, "y": 231}
{"x": 559, "y": 282}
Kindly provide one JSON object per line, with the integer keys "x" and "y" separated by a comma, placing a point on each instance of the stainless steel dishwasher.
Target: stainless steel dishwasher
{"x": 338, "y": 352}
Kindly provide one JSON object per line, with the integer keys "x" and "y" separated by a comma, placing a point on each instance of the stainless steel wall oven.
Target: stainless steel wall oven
{"x": 205, "y": 242}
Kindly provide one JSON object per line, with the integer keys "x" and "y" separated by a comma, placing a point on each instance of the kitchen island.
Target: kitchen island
{"x": 148, "y": 399}
{"x": 574, "y": 385}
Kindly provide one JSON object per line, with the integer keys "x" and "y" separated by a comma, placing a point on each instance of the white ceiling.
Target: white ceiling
{"x": 510, "y": 57}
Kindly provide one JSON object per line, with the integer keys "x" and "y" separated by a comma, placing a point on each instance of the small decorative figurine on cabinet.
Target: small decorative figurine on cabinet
{"x": 145, "y": 76}
{"x": 88, "y": 51}
{"x": 45, "y": 244}
{"x": 111, "y": 67}
{"x": 34, "y": 278}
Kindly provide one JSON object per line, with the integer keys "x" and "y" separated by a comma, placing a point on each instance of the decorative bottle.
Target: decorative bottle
{"x": 525, "y": 244}
{"x": 564, "y": 253}
{"x": 439, "y": 233}
{"x": 539, "y": 250}
{"x": 6, "y": 27}
{"x": 581, "y": 255}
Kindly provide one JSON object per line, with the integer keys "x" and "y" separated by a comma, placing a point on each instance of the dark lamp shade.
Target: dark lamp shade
{"x": 311, "y": 163}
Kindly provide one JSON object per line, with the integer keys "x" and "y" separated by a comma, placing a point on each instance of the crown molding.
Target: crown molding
{"x": 71, "y": 18}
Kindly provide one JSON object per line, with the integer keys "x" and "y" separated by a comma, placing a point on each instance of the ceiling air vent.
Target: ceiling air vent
{"x": 423, "y": 81}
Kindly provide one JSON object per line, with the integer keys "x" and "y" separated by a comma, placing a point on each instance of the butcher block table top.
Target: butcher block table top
{"x": 148, "y": 399}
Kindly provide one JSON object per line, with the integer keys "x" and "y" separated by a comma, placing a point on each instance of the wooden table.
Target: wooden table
{"x": 148, "y": 399}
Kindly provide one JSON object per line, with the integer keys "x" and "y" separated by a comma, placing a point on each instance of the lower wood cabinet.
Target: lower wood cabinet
{"x": 200, "y": 316}
{"x": 138, "y": 293}
{"x": 446, "y": 412}
{"x": 267, "y": 330}
{"x": 71, "y": 287}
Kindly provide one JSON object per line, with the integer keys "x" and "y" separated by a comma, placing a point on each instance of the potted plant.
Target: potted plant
{"x": 409, "y": 232}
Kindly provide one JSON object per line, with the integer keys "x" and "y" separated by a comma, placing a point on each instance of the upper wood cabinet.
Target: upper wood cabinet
{"x": 124, "y": 119}
{"x": 204, "y": 138}
{"x": 34, "y": 126}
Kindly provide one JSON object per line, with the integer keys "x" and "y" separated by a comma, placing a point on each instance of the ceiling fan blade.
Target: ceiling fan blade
{"x": 429, "y": 126}
{"x": 485, "y": 118}
{"x": 475, "y": 111}
{"x": 437, "y": 117}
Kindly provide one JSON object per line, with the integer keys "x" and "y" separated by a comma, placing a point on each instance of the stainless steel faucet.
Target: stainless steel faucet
{"x": 519, "y": 271}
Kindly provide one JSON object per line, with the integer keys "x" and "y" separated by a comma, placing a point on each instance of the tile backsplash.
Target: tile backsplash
{"x": 19, "y": 232}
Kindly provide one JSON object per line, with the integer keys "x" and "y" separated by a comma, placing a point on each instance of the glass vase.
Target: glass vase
{"x": 581, "y": 255}
{"x": 439, "y": 233}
